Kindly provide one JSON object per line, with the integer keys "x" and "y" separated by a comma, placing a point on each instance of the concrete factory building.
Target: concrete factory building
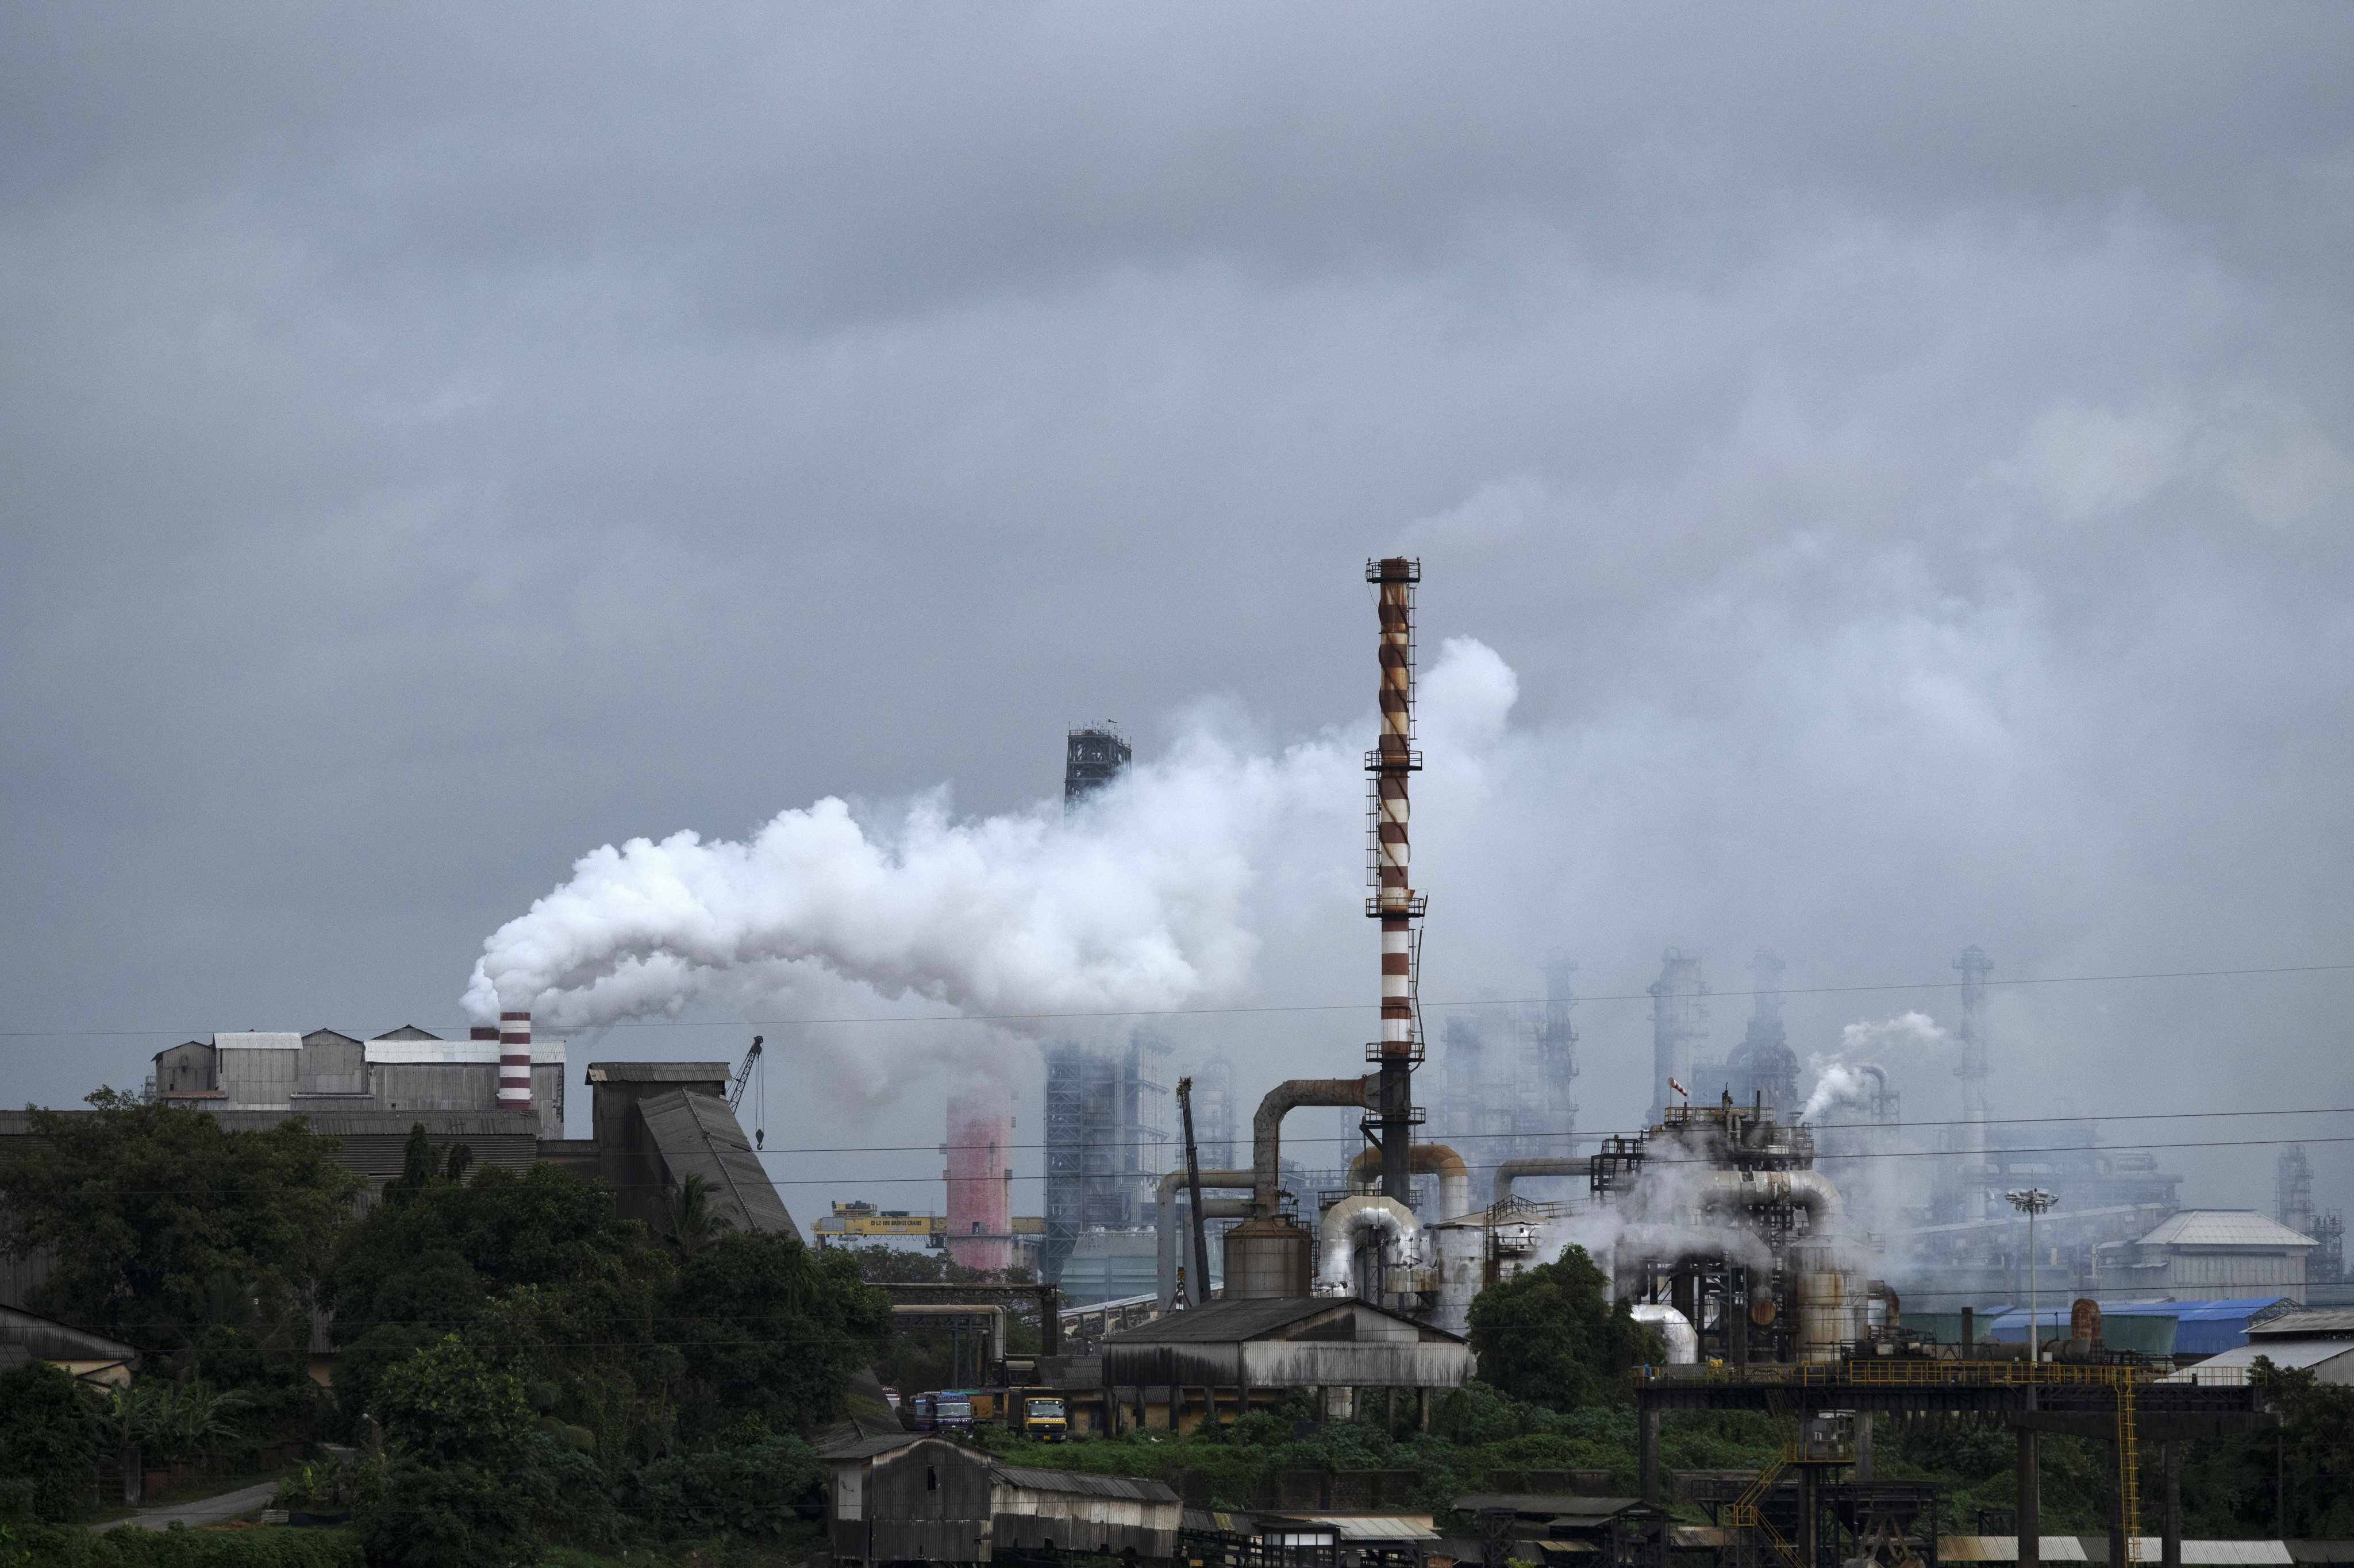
{"x": 406, "y": 1070}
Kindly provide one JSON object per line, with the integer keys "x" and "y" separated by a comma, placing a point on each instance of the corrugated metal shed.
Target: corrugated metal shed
{"x": 2319, "y": 1322}
{"x": 1548, "y": 1507}
{"x": 2332, "y": 1361}
{"x": 2224, "y": 1227}
{"x": 1286, "y": 1342}
{"x": 1080, "y": 1483}
{"x": 697, "y": 1135}
{"x": 259, "y": 1040}
{"x": 867, "y": 1447}
{"x": 2202, "y": 1328}
{"x": 1356, "y": 1528}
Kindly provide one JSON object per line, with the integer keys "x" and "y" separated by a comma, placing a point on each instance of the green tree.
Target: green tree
{"x": 443, "y": 1407}
{"x": 447, "y": 1255}
{"x": 1551, "y": 1336}
{"x": 695, "y": 1215}
{"x": 146, "y": 1203}
{"x": 767, "y": 1326}
{"x": 46, "y": 1439}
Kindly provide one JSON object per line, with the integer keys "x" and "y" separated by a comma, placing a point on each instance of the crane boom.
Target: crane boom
{"x": 744, "y": 1074}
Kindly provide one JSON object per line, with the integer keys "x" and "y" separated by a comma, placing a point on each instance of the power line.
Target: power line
{"x": 1293, "y": 1007}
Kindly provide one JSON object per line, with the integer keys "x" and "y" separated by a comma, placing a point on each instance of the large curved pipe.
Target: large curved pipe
{"x": 1675, "y": 1331}
{"x": 1808, "y": 1190}
{"x": 1164, "y": 1221}
{"x": 1427, "y": 1159}
{"x": 1512, "y": 1171}
{"x": 1349, "y": 1220}
{"x": 1266, "y": 1130}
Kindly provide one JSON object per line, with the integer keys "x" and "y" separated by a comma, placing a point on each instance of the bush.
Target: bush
{"x": 47, "y": 1441}
{"x": 179, "y": 1548}
{"x": 457, "y": 1517}
{"x": 758, "y": 1489}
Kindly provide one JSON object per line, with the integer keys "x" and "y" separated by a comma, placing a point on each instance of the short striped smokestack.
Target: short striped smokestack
{"x": 514, "y": 1061}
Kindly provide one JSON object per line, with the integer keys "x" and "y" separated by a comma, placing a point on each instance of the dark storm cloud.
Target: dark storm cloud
{"x": 1905, "y": 457}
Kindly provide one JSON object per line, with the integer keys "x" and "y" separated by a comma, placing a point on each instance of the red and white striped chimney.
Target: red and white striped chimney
{"x": 514, "y": 1061}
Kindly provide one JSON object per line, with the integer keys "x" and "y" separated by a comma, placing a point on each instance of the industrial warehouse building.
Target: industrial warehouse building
{"x": 914, "y": 1499}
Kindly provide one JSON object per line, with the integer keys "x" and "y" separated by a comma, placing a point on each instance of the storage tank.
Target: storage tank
{"x": 1827, "y": 1293}
{"x": 1268, "y": 1258}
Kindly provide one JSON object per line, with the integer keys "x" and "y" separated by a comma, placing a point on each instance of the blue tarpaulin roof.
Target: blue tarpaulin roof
{"x": 2204, "y": 1328}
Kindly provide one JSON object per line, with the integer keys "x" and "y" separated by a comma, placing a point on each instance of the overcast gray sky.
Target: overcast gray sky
{"x": 1903, "y": 458}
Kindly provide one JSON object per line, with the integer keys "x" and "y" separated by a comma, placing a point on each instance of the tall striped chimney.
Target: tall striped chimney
{"x": 1394, "y": 903}
{"x": 514, "y": 1061}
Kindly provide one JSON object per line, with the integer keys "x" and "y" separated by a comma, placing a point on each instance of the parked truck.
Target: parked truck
{"x": 1037, "y": 1413}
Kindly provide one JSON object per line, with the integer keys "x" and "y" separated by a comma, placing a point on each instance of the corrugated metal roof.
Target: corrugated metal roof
{"x": 867, "y": 1447}
{"x": 2319, "y": 1321}
{"x": 259, "y": 1040}
{"x": 1356, "y": 1525}
{"x": 406, "y": 1031}
{"x": 2005, "y": 1549}
{"x": 657, "y": 1072}
{"x": 456, "y": 1052}
{"x": 697, "y": 1135}
{"x": 1127, "y": 1487}
{"x": 2224, "y": 1227}
{"x": 1547, "y": 1505}
{"x": 2203, "y": 1553}
{"x": 1223, "y": 1322}
{"x": 2291, "y": 1354}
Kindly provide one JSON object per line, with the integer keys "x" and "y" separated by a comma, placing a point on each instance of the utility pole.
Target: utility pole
{"x": 1198, "y": 1291}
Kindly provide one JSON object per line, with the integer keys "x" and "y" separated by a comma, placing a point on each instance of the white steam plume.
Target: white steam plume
{"x": 1148, "y": 897}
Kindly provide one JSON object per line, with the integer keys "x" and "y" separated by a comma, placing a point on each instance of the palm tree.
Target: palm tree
{"x": 693, "y": 1219}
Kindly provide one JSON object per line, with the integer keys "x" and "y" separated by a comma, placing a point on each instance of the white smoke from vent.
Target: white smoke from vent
{"x": 1840, "y": 1081}
{"x": 1147, "y": 898}
{"x": 1906, "y": 1031}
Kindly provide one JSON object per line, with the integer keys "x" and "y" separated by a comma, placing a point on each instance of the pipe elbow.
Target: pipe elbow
{"x": 1346, "y": 1224}
{"x": 1675, "y": 1331}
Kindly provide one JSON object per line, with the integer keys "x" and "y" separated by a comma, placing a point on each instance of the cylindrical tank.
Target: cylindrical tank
{"x": 1828, "y": 1294}
{"x": 1268, "y": 1258}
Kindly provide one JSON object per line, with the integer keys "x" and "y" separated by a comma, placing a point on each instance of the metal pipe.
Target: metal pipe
{"x": 1164, "y": 1222}
{"x": 1675, "y": 1331}
{"x": 1267, "y": 1130}
{"x": 1808, "y": 1190}
{"x": 1512, "y": 1171}
{"x": 1427, "y": 1159}
{"x": 1345, "y": 1223}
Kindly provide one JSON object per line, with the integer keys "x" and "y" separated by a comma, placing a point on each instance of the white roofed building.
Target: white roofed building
{"x": 2207, "y": 1253}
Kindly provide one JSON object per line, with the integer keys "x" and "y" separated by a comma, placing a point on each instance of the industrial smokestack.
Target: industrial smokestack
{"x": 514, "y": 1061}
{"x": 1393, "y": 902}
{"x": 1973, "y": 965}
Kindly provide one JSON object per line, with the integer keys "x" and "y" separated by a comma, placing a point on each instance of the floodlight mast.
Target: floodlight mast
{"x": 2032, "y": 1202}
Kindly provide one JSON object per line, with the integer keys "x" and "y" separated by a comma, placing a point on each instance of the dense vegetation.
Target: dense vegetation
{"x": 524, "y": 1371}
{"x": 519, "y": 1365}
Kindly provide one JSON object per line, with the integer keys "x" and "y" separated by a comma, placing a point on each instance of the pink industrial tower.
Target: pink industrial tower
{"x": 979, "y": 1153}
